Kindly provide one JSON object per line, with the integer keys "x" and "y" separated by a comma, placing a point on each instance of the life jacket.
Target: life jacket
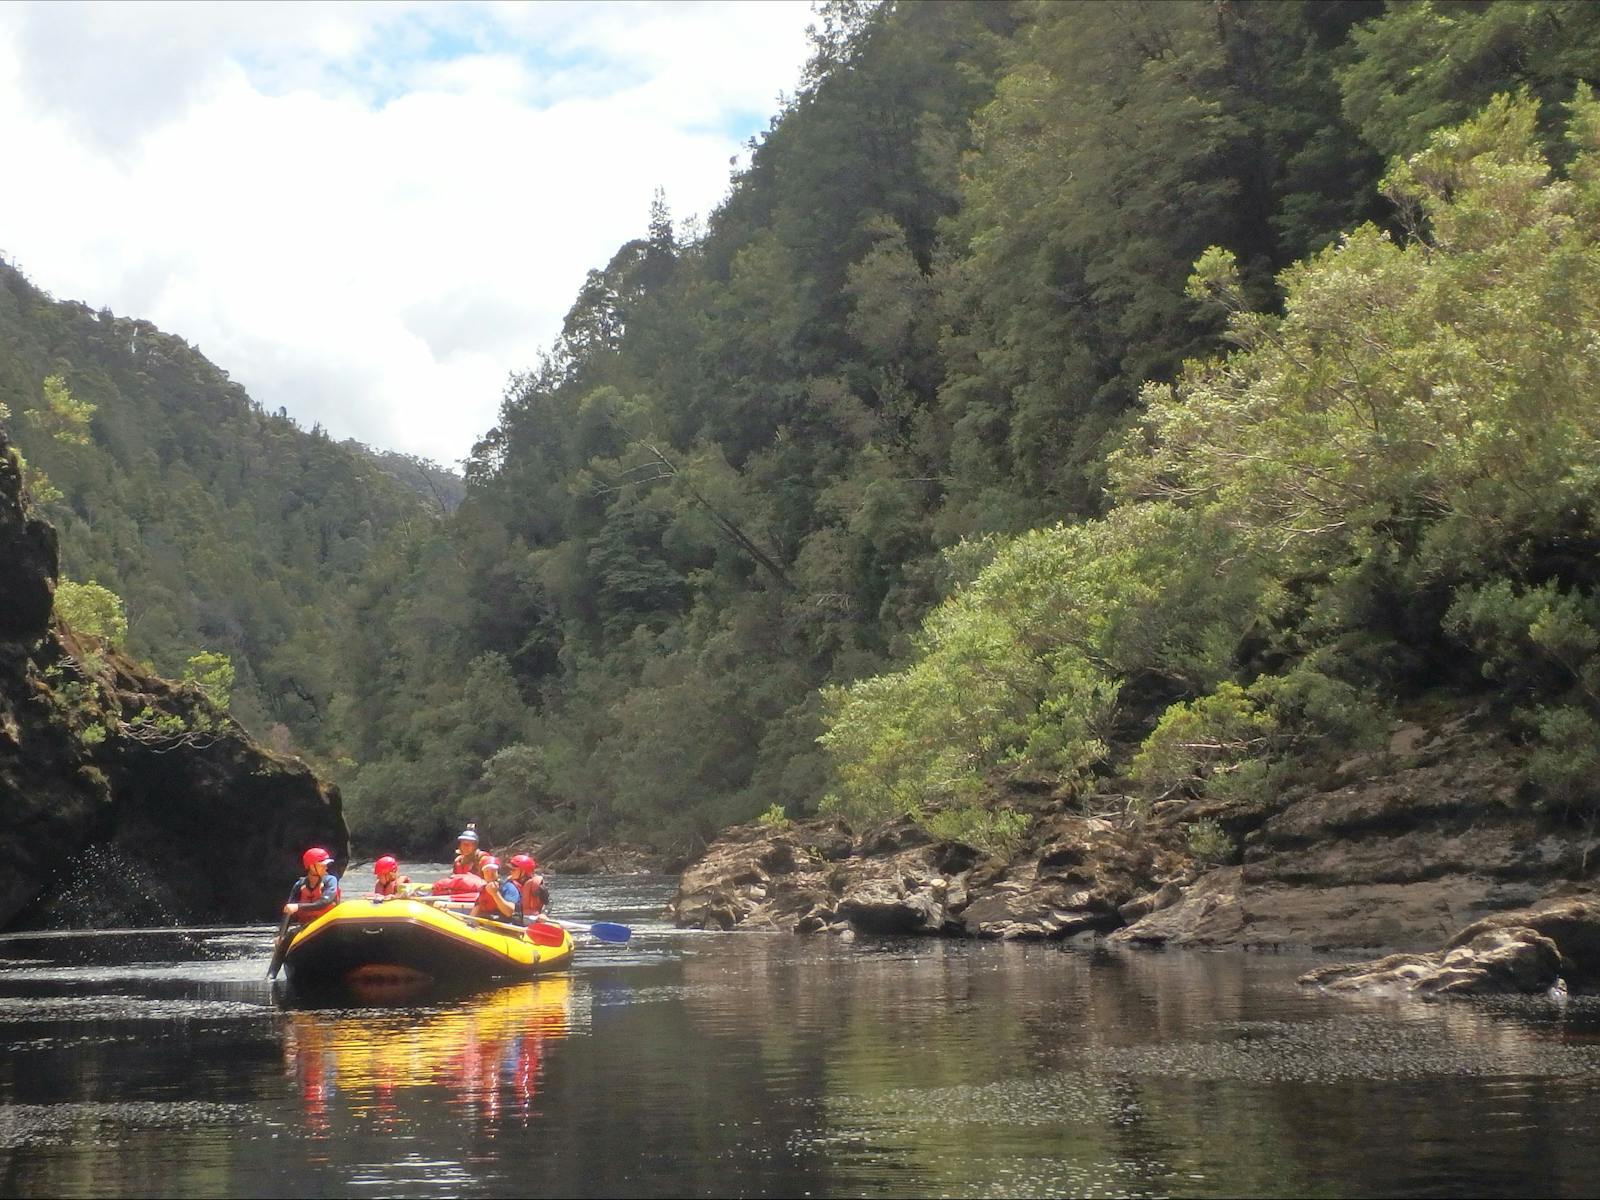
{"x": 535, "y": 895}
{"x": 467, "y": 864}
{"x": 487, "y": 908}
{"x": 305, "y": 894}
{"x": 392, "y": 887}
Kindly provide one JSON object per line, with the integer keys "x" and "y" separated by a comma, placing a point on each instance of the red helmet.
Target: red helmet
{"x": 523, "y": 862}
{"x": 315, "y": 855}
{"x": 488, "y": 863}
{"x": 387, "y": 863}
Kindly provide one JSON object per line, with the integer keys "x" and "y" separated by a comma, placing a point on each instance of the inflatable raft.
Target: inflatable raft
{"x": 366, "y": 940}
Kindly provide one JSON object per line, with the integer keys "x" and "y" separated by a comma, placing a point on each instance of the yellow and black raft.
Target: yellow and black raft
{"x": 368, "y": 940}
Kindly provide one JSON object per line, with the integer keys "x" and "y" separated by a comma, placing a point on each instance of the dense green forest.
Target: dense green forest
{"x": 1064, "y": 392}
{"x": 222, "y": 528}
{"x": 879, "y": 422}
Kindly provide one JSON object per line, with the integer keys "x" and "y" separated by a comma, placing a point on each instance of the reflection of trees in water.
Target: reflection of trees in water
{"x": 486, "y": 1052}
{"x": 1039, "y": 1068}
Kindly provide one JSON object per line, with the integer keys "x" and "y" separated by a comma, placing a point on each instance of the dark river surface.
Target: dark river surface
{"x": 697, "y": 1064}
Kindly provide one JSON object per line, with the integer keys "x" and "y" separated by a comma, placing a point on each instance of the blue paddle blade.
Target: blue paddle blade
{"x": 608, "y": 932}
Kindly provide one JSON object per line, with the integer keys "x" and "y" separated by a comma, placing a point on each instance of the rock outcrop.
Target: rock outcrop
{"x": 1408, "y": 847}
{"x": 1398, "y": 851}
{"x": 125, "y": 797}
{"x": 1531, "y": 950}
{"x": 1081, "y": 876}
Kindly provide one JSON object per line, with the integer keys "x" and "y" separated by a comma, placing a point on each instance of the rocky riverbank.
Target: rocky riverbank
{"x": 1398, "y": 851}
{"x": 1547, "y": 947}
{"x": 131, "y": 786}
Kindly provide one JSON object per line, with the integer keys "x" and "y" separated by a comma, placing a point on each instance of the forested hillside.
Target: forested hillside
{"x": 764, "y": 451}
{"x": 221, "y": 527}
{"x": 1067, "y": 397}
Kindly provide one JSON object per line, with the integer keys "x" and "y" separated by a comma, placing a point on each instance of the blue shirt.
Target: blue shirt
{"x": 510, "y": 893}
{"x": 507, "y": 891}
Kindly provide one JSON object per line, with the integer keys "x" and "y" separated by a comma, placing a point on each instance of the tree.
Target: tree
{"x": 92, "y": 609}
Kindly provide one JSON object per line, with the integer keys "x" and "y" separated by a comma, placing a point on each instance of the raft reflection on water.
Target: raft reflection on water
{"x": 485, "y": 1051}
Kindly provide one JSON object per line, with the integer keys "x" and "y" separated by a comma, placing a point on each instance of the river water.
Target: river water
{"x": 699, "y": 1064}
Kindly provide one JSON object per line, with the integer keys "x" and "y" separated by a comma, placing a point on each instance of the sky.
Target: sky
{"x": 368, "y": 214}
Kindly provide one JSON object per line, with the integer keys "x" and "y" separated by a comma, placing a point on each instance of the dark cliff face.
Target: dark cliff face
{"x": 27, "y": 557}
{"x": 125, "y": 797}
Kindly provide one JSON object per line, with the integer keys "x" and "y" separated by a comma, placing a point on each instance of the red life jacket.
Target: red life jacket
{"x": 392, "y": 887}
{"x": 533, "y": 895}
{"x": 485, "y": 905}
{"x": 467, "y": 864}
{"x": 310, "y": 895}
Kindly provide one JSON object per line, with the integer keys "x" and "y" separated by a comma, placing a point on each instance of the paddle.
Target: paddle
{"x": 536, "y": 935}
{"x": 601, "y": 931}
{"x": 280, "y": 947}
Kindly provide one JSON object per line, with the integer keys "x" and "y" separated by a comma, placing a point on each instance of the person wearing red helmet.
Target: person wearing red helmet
{"x": 535, "y": 895}
{"x": 500, "y": 899}
{"x": 317, "y": 890}
{"x": 390, "y": 881}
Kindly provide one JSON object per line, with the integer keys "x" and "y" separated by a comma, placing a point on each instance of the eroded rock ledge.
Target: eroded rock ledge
{"x": 1402, "y": 849}
{"x": 1083, "y": 876}
{"x": 1550, "y": 945}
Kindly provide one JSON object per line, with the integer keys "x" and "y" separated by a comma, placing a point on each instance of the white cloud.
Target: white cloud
{"x": 369, "y": 215}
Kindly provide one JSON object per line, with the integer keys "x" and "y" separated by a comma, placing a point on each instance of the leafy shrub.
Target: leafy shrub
{"x": 1201, "y": 740}
{"x": 1565, "y": 766}
{"x": 1532, "y": 638}
{"x": 92, "y": 609}
{"x": 775, "y": 817}
{"x": 995, "y": 830}
{"x": 1208, "y": 842}
{"x": 212, "y": 673}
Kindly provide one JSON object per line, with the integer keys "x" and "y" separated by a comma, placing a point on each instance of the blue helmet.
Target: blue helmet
{"x": 469, "y": 834}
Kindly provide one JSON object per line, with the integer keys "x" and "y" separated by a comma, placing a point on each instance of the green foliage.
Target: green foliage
{"x": 513, "y": 792}
{"x": 1431, "y": 63}
{"x": 834, "y": 464}
{"x": 1565, "y": 763}
{"x": 775, "y": 817}
{"x": 213, "y": 674}
{"x": 40, "y": 490}
{"x": 1020, "y": 671}
{"x": 61, "y": 416}
{"x": 1533, "y": 639}
{"x": 92, "y": 609}
{"x": 223, "y": 527}
{"x": 996, "y": 831}
{"x": 1208, "y": 841}
{"x": 1197, "y": 741}
{"x": 1418, "y": 412}
{"x": 1541, "y": 642}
